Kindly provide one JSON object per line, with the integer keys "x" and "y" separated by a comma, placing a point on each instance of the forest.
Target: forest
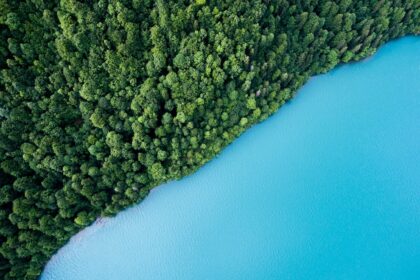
{"x": 102, "y": 100}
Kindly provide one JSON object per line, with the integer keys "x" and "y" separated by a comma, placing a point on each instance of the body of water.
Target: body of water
{"x": 327, "y": 188}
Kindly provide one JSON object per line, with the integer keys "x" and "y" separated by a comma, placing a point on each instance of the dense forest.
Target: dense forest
{"x": 101, "y": 100}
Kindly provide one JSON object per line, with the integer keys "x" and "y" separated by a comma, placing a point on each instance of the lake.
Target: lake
{"x": 327, "y": 188}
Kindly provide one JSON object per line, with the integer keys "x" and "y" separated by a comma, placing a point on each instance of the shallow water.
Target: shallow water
{"x": 327, "y": 188}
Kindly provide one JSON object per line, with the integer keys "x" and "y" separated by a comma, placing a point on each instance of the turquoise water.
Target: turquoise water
{"x": 327, "y": 188}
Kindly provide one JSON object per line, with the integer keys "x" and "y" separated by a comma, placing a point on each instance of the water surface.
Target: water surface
{"x": 327, "y": 188}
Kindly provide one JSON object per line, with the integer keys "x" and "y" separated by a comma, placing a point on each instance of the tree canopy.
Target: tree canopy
{"x": 102, "y": 100}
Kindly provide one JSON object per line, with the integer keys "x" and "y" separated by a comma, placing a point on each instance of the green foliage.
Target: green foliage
{"x": 100, "y": 101}
{"x": 200, "y": 2}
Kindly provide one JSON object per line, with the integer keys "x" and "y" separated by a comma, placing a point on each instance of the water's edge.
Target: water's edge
{"x": 98, "y": 227}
